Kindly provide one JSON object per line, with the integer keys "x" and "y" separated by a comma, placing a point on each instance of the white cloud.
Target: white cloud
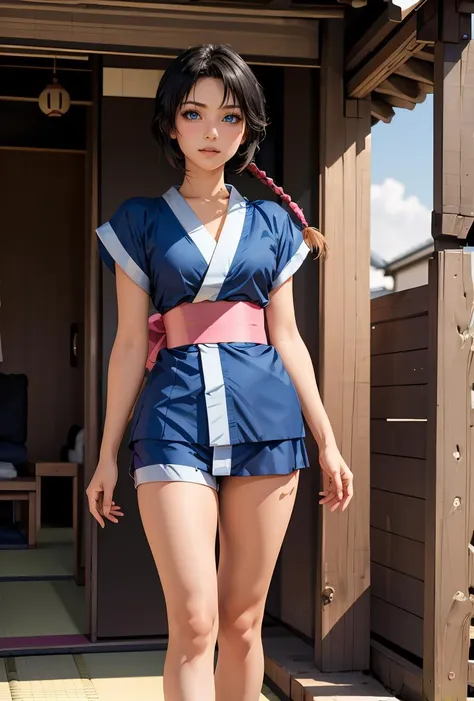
{"x": 399, "y": 222}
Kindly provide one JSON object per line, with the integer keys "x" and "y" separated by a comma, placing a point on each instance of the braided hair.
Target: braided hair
{"x": 313, "y": 237}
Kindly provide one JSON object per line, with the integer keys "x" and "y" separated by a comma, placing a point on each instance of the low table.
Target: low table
{"x": 22, "y": 489}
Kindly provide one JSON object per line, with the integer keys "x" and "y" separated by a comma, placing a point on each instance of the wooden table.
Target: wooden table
{"x": 22, "y": 489}
{"x": 61, "y": 469}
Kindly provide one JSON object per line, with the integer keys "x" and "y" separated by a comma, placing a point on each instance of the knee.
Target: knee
{"x": 240, "y": 626}
{"x": 193, "y": 627}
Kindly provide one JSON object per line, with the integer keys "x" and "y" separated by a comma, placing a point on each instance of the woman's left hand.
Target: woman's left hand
{"x": 338, "y": 487}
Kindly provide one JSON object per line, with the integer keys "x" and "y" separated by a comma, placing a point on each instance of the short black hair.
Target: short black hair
{"x": 209, "y": 61}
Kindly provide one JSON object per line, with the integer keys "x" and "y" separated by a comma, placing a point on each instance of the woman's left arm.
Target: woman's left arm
{"x": 285, "y": 337}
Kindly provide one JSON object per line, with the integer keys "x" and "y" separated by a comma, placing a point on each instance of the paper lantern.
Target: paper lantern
{"x": 54, "y": 101}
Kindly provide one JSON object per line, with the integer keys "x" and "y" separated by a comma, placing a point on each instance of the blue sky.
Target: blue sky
{"x": 403, "y": 150}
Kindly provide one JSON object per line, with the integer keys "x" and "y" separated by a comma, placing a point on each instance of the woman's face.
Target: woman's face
{"x": 209, "y": 132}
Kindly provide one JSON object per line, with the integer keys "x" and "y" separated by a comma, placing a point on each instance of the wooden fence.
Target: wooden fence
{"x": 399, "y": 390}
{"x": 422, "y": 494}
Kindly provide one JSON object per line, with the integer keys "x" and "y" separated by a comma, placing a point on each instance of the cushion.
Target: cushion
{"x": 13, "y": 452}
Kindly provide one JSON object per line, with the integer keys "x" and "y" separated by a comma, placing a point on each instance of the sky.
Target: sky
{"x": 402, "y": 181}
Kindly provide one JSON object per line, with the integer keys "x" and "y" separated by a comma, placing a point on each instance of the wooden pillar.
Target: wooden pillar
{"x": 342, "y": 631}
{"x": 92, "y": 344}
{"x": 453, "y": 195}
{"x": 449, "y": 498}
{"x": 449, "y": 527}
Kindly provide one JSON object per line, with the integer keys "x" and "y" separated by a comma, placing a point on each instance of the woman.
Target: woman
{"x": 217, "y": 435}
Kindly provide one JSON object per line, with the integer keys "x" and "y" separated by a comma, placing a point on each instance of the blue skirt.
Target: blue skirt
{"x": 165, "y": 461}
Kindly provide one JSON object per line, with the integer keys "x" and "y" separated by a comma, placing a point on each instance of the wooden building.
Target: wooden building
{"x": 330, "y": 70}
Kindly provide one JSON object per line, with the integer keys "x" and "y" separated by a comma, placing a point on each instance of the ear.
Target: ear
{"x": 173, "y": 134}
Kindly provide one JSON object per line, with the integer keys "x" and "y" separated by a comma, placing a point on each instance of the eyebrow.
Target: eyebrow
{"x": 201, "y": 104}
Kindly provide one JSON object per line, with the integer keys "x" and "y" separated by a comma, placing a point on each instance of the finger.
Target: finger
{"x": 107, "y": 503}
{"x": 94, "y": 498}
{"x": 96, "y": 515}
{"x": 328, "y": 499}
{"x": 332, "y": 502}
{"x": 338, "y": 488}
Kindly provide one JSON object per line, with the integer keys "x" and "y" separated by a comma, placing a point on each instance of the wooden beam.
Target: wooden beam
{"x": 453, "y": 207}
{"x": 449, "y": 500}
{"x": 382, "y": 110}
{"x": 415, "y": 69}
{"x": 426, "y": 54}
{"x": 401, "y": 103}
{"x": 374, "y": 36}
{"x": 401, "y": 87}
{"x": 385, "y": 61}
{"x": 342, "y": 630}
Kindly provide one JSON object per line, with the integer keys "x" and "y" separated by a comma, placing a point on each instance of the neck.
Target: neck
{"x": 203, "y": 184}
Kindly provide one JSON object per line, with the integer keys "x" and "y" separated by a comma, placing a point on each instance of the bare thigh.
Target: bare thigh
{"x": 180, "y": 522}
{"x": 254, "y": 516}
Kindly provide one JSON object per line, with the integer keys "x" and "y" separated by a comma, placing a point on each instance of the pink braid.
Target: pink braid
{"x": 312, "y": 236}
{"x": 269, "y": 182}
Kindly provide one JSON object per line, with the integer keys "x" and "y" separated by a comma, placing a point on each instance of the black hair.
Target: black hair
{"x": 209, "y": 61}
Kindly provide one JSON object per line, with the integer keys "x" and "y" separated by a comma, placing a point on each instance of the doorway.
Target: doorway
{"x": 42, "y": 293}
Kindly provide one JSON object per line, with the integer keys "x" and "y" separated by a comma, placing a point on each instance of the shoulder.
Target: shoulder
{"x": 276, "y": 218}
{"x": 138, "y": 205}
{"x": 272, "y": 211}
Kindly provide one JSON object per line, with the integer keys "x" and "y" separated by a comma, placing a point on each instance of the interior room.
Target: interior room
{"x": 42, "y": 234}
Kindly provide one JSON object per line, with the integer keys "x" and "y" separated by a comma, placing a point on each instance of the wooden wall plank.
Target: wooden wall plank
{"x": 400, "y": 554}
{"x": 401, "y": 677}
{"x": 406, "y": 402}
{"x": 397, "y": 626}
{"x": 399, "y": 335}
{"x": 410, "y": 368}
{"x": 400, "y": 305}
{"x": 342, "y": 633}
{"x": 448, "y": 499}
{"x": 398, "y": 475}
{"x": 398, "y": 514}
{"x": 403, "y": 438}
{"x": 397, "y": 589}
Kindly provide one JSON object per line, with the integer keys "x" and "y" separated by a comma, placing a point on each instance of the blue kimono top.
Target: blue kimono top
{"x": 221, "y": 394}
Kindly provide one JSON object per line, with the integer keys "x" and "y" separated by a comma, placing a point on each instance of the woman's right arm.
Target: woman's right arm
{"x": 125, "y": 376}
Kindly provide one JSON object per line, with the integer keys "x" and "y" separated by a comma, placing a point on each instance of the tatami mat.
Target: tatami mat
{"x": 5, "y": 694}
{"x": 31, "y": 608}
{"x": 95, "y": 677}
{"x": 52, "y": 557}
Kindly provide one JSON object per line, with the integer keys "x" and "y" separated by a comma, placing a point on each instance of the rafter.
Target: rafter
{"x": 382, "y": 111}
{"x": 401, "y": 87}
{"x": 420, "y": 71}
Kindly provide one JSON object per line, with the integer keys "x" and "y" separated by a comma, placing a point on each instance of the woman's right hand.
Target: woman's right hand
{"x": 100, "y": 492}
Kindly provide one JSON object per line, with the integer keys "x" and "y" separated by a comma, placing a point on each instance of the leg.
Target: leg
{"x": 254, "y": 513}
{"x": 75, "y": 504}
{"x": 31, "y": 519}
{"x": 38, "y": 502}
{"x": 180, "y": 522}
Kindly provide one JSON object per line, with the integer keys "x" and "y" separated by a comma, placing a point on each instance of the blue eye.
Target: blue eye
{"x": 191, "y": 115}
{"x": 232, "y": 118}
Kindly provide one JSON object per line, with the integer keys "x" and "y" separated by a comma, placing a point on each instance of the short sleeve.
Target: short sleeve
{"x": 291, "y": 250}
{"x": 122, "y": 241}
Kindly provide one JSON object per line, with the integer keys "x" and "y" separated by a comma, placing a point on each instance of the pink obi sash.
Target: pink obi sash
{"x": 205, "y": 322}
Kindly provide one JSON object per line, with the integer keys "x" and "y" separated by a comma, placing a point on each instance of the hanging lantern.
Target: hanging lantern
{"x": 54, "y": 101}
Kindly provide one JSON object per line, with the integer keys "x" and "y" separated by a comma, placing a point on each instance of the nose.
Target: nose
{"x": 212, "y": 134}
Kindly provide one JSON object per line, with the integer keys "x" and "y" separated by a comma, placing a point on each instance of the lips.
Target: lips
{"x": 209, "y": 150}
